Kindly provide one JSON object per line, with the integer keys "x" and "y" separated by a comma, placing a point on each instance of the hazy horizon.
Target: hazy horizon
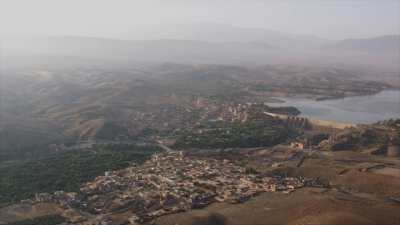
{"x": 332, "y": 20}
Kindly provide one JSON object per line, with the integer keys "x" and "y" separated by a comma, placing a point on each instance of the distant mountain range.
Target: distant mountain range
{"x": 213, "y": 32}
{"x": 215, "y": 44}
{"x": 383, "y": 44}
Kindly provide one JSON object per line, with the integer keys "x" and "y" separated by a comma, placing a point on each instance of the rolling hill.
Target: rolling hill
{"x": 383, "y": 44}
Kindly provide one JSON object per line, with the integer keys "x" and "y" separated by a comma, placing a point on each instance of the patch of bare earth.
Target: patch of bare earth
{"x": 308, "y": 206}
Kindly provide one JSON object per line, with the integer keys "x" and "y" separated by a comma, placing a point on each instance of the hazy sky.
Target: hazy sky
{"x": 334, "y": 19}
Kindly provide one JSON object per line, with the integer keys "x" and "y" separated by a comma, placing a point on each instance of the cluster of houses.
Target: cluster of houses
{"x": 169, "y": 182}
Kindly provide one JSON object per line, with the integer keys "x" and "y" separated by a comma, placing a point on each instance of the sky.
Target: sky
{"x": 330, "y": 19}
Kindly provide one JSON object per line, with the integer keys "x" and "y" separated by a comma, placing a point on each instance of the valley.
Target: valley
{"x": 143, "y": 143}
{"x": 199, "y": 112}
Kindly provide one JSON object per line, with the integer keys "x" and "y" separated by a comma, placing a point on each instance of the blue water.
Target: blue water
{"x": 362, "y": 109}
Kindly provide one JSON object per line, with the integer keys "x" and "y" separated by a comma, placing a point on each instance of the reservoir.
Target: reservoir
{"x": 359, "y": 110}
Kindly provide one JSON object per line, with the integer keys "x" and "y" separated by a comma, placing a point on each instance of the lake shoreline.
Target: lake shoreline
{"x": 354, "y": 109}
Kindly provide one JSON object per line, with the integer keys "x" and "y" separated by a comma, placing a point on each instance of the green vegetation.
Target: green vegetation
{"x": 264, "y": 131}
{"x": 290, "y": 110}
{"x": 376, "y": 135}
{"x": 20, "y": 179}
{"x": 18, "y": 143}
{"x": 251, "y": 170}
{"x": 44, "y": 220}
{"x": 394, "y": 125}
{"x": 111, "y": 131}
{"x": 317, "y": 138}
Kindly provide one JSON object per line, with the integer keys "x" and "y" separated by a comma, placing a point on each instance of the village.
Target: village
{"x": 170, "y": 182}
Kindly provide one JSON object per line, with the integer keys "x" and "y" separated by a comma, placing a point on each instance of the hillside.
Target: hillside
{"x": 223, "y": 33}
{"x": 216, "y": 45}
{"x": 83, "y": 101}
{"x": 378, "y": 45}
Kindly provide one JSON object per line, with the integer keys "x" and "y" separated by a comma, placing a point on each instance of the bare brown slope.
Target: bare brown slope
{"x": 306, "y": 206}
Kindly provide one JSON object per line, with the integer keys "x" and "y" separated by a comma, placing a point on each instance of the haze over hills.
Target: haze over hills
{"x": 382, "y": 44}
{"x": 52, "y": 64}
{"x": 210, "y": 43}
{"x": 82, "y": 100}
{"x": 199, "y": 112}
{"x": 214, "y": 32}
